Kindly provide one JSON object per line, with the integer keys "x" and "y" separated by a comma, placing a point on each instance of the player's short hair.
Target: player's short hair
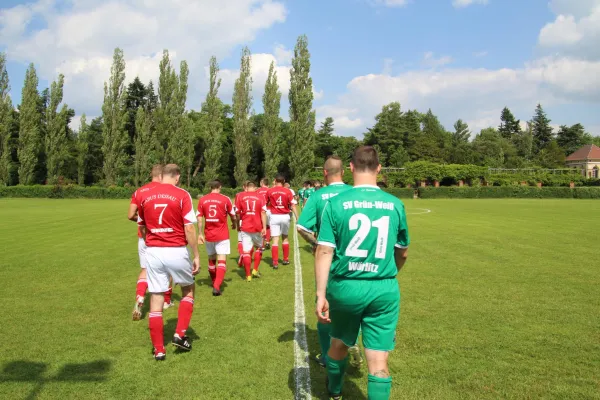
{"x": 250, "y": 184}
{"x": 333, "y": 165}
{"x": 365, "y": 159}
{"x": 287, "y": 184}
{"x": 264, "y": 181}
{"x": 171, "y": 170}
{"x": 157, "y": 170}
{"x": 306, "y": 183}
{"x": 280, "y": 179}
{"x": 216, "y": 184}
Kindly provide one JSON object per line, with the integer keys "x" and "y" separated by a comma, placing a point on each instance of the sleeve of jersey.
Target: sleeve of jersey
{"x": 200, "y": 213}
{"x": 237, "y": 205}
{"x": 292, "y": 199}
{"x": 141, "y": 221}
{"x": 403, "y": 239}
{"x": 133, "y": 200}
{"x": 327, "y": 229}
{"x": 308, "y": 218}
{"x": 187, "y": 210}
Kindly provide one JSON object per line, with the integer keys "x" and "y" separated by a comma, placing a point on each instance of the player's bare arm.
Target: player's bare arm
{"x": 263, "y": 217}
{"x": 132, "y": 215}
{"x": 309, "y": 237}
{"x": 323, "y": 258}
{"x": 233, "y": 221}
{"x": 295, "y": 211}
{"x": 190, "y": 235}
{"x": 400, "y": 255}
{"x": 201, "y": 239}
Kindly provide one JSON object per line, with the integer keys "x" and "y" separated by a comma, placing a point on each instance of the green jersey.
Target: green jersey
{"x": 310, "y": 219}
{"x": 308, "y": 192}
{"x": 301, "y": 193}
{"x": 364, "y": 225}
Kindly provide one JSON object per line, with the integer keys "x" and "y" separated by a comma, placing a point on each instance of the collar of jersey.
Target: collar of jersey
{"x": 367, "y": 186}
{"x": 336, "y": 183}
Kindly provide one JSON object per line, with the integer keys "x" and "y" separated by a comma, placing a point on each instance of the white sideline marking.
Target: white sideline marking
{"x": 422, "y": 211}
{"x": 301, "y": 367}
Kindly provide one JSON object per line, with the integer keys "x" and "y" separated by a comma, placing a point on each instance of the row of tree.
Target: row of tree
{"x": 140, "y": 126}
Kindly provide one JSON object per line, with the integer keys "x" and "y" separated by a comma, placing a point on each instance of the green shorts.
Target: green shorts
{"x": 373, "y": 305}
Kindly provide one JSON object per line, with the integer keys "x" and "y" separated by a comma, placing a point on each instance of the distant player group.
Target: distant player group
{"x": 359, "y": 237}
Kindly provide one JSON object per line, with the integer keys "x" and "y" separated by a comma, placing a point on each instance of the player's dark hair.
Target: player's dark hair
{"x": 264, "y": 181}
{"x": 306, "y": 183}
{"x": 216, "y": 184}
{"x": 157, "y": 170}
{"x": 280, "y": 179}
{"x": 171, "y": 170}
{"x": 365, "y": 159}
{"x": 250, "y": 184}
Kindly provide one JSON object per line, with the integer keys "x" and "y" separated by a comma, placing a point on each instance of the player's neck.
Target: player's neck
{"x": 334, "y": 179}
{"x": 364, "y": 178}
{"x": 157, "y": 180}
{"x": 217, "y": 191}
{"x": 278, "y": 185}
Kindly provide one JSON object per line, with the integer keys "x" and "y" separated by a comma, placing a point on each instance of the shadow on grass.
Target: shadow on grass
{"x": 318, "y": 373}
{"x": 33, "y": 372}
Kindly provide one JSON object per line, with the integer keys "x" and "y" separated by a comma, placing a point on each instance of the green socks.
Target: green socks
{"x": 379, "y": 388}
{"x": 336, "y": 371}
{"x": 324, "y": 339}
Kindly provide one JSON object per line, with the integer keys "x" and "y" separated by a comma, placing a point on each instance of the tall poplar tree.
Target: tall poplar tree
{"x": 509, "y": 126}
{"x": 114, "y": 117}
{"x": 214, "y": 125}
{"x": 145, "y": 145}
{"x": 166, "y": 114}
{"x": 6, "y": 120}
{"x": 56, "y": 131}
{"x": 270, "y": 137}
{"x": 29, "y": 128}
{"x": 302, "y": 116}
{"x": 177, "y": 117}
{"x": 242, "y": 101}
{"x": 82, "y": 148}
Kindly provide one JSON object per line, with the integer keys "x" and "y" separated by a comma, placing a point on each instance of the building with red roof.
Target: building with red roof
{"x": 587, "y": 160}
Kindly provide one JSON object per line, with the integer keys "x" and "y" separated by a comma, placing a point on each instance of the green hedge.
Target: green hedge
{"x": 401, "y": 193}
{"x": 503, "y": 192}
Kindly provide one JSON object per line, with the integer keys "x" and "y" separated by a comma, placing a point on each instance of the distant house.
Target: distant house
{"x": 587, "y": 160}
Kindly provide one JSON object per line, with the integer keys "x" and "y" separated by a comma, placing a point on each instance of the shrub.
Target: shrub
{"x": 401, "y": 193}
{"x": 520, "y": 192}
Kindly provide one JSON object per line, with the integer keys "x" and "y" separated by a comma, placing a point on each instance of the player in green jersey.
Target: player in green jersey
{"x": 301, "y": 194}
{"x": 363, "y": 242}
{"x": 309, "y": 191}
{"x": 308, "y": 228}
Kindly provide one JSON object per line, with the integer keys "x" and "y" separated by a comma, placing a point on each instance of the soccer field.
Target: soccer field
{"x": 500, "y": 299}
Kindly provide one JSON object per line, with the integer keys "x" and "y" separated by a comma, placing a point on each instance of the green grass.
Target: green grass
{"x": 500, "y": 299}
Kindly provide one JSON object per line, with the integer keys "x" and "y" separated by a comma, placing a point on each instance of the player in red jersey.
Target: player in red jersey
{"x": 252, "y": 222}
{"x": 264, "y": 189}
{"x": 215, "y": 207}
{"x": 280, "y": 202}
{"x": 142, "y": 283}
{"x": 239, "y": 234}
{"x": 167, "y": 216}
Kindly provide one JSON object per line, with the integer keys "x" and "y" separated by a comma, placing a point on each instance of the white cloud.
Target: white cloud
{"x": 480, "y": 54}
{"x": 576, "y": 29}
{"x": 466, "y": 3}
{"x": 391, "y": 3}
{"x": 78, "y": 40}
{"x": 430, "y": 60}
{"x": 283, "y": 55}
{"x": 475, "y": 95}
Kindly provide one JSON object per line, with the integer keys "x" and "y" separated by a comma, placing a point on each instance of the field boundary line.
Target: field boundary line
{"x": 301, "y": 366}
{"x": 421, "y": 211}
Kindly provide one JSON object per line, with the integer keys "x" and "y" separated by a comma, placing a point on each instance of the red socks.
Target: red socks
{"x": 186, "y": 308}
{"x": 240, "y": 248}
{"x": 275, "y": 254}
{"x": 142, "y": 286}
{"x": 212, "y": 270}
{"x": 220, "y": 274}
{"x": 246, "y": 257}
{"x": 268, "y": 234}
{"x": 168, "y": 294}
{"x": 257, "y": 258}
{"x": 286, "y": 252}
{"x": 155, "y": 322}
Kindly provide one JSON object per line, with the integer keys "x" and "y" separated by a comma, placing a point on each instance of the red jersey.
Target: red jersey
{"x": 164, "y": 211}
{"x": 280, "y": 200}
{"x": 263, "y": 191}
{"x": 135, "y": 198}
{"x": 215, "y": 207}
{"x": 249, "y": 206}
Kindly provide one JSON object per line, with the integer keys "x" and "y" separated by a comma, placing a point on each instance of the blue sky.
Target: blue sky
{"x": 462, "y": 58}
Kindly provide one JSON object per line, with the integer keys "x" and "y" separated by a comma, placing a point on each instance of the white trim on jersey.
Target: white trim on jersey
{"x": 327, "y": 244}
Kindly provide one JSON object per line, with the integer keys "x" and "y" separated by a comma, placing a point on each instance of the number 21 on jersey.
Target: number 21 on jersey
{"x": 363, "y": 225}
